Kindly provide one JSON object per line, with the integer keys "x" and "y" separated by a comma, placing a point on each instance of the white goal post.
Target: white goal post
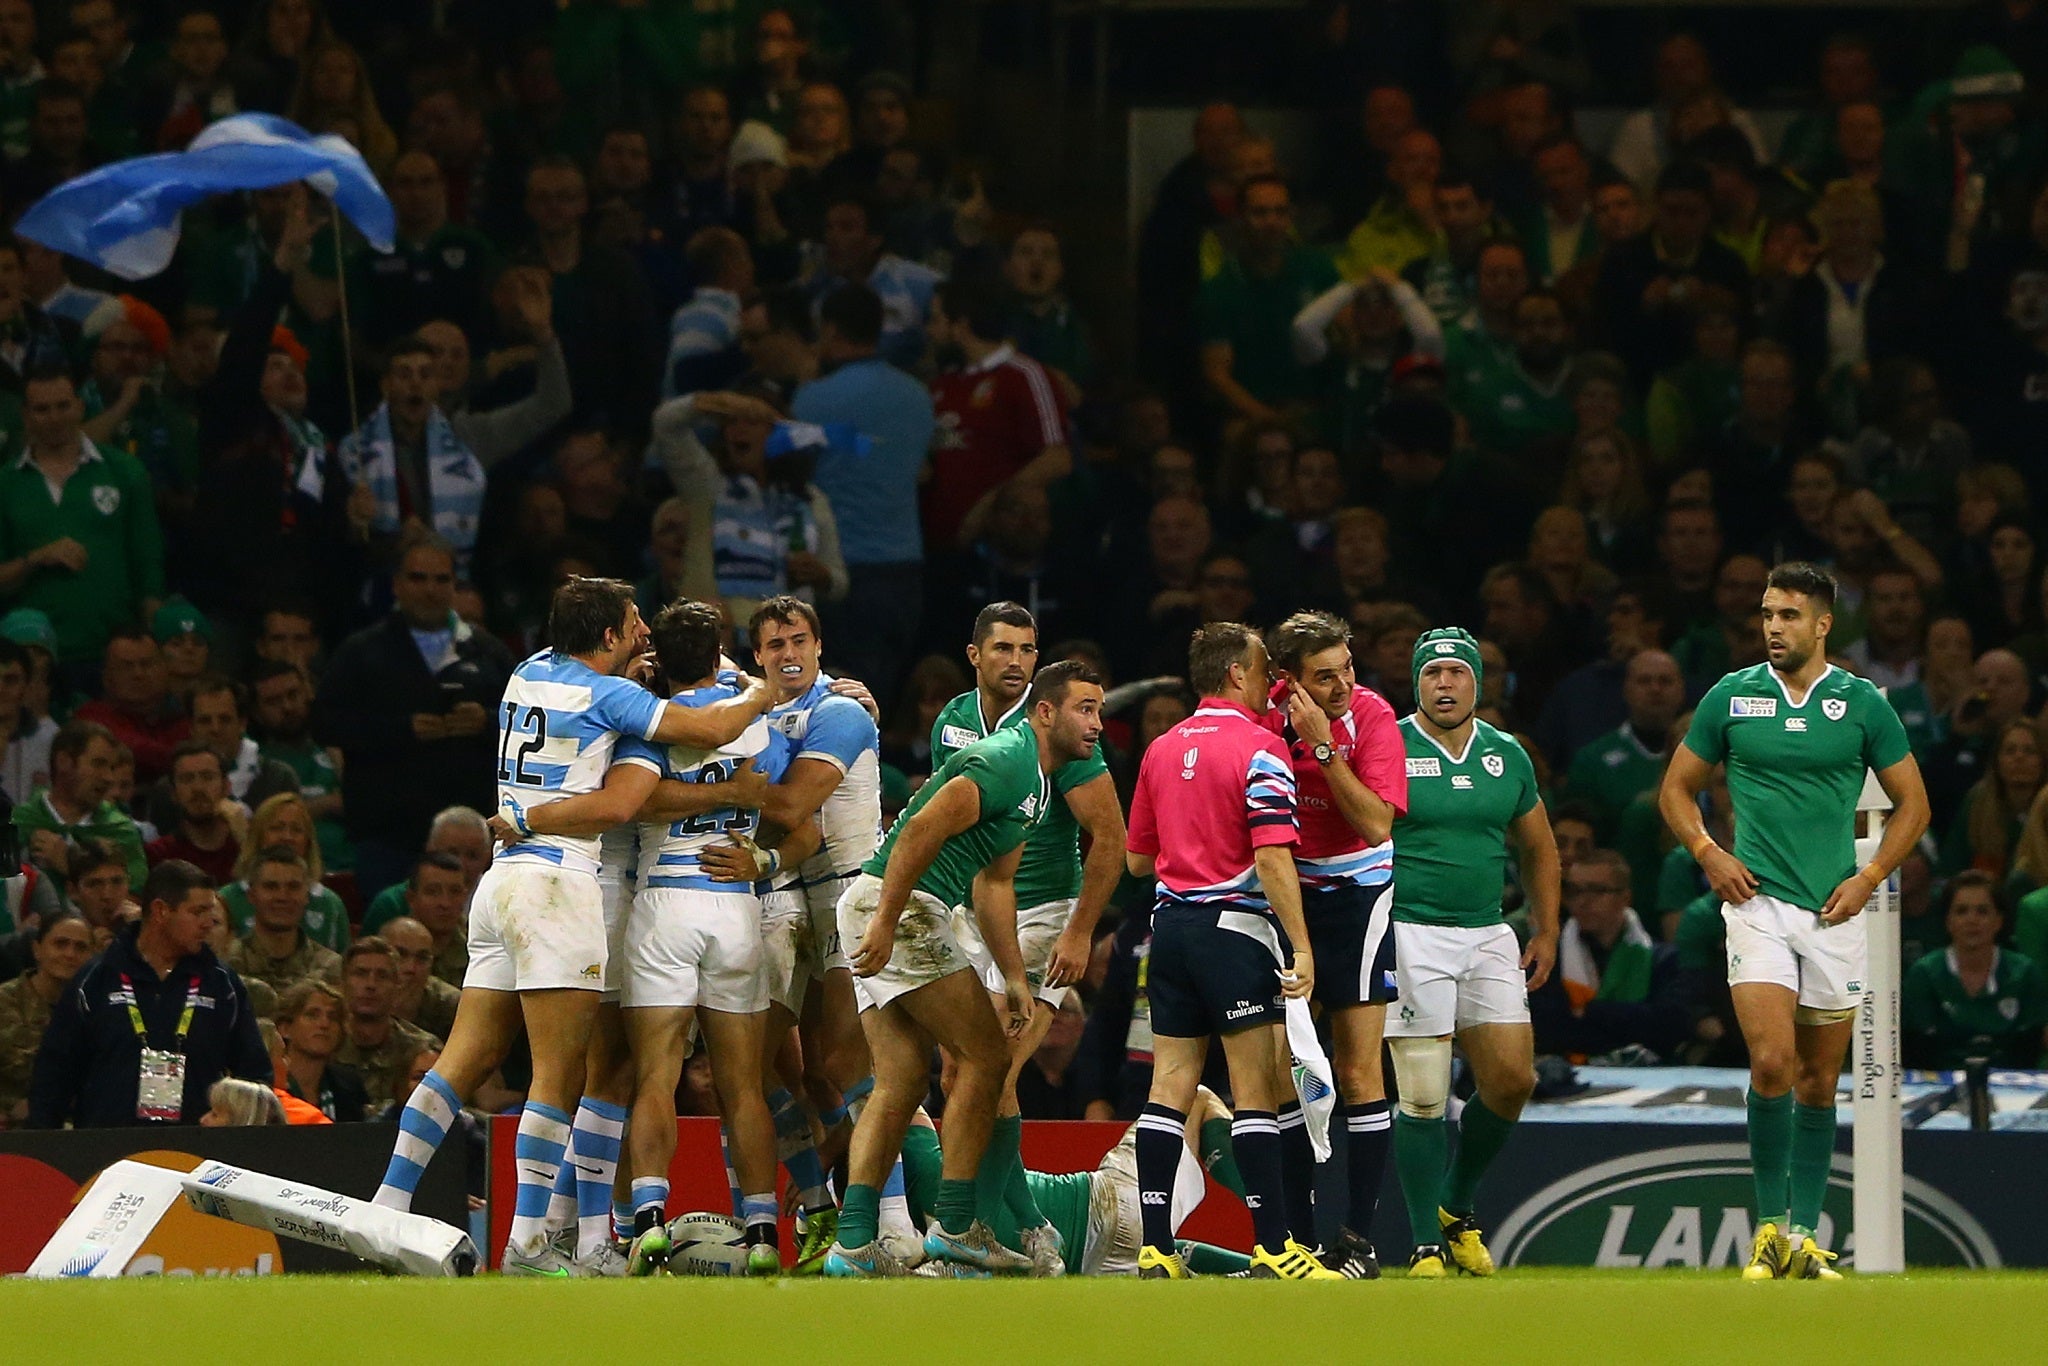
{"x": 1879, "y": 1155}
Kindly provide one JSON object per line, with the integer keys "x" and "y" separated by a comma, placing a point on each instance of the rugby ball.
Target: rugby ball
{"x": 706, "y": 1244}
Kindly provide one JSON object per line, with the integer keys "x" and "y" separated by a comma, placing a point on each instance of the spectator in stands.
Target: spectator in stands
{"x": 75, "y": 805}
{"x": 309, "y": 1021}
{"x": 235, "y": 1104}
{"x": 1044, "y": 323}
{"x": 407, "y": 702}
{"x": 1448, "y": 276}
{"x": 1402, "y": 226}
{"x": 185, "y": 636}
{"x": 1000, "y": 418}
{"x": 62, "y": 945}
{"x": 2000, "y": 694}
{"x": 199, "y": 830}
{"x": 1498, "y": 43}
{"x": 1987, "y": 827}
{"x": 375, "y": 1044}
{"x": 1152, "y": 610}
{"x": 1295, "y": 560}
{"x": 1894, "y": 629}
{"x": 1719, "y": 633}
{"x": 1525, "y": 620}
{"x": 1195, "y": 196}
{"x": 1369, "y": 326}
{"x": 1610, "y": 772}
{"x": 281, "y": 703}
{"x": 602, "y": 309}
{"x": 1604, "y": 482}
{"x": 220, "y": 722}
{"x": 1909, "y": 454}
{"x": 283, "y": 821}
{"x": 136, "y": 705}
{"x": 1615, "y": 992}
{"x": 419, "y": 997}
{"x": 1247, "y": 310}
{"x": 1753, "y": 454}
{"x": 1973, "y": 999}
{"x": 440, "y": 269}
{"x": 1559, "y": 231}
{"x": 1518, "y": 402}
{"x": 1644, "y": 142}
{"x": 1848, "y": 78}
{"x": 407, "y": 455}
{"x": 437, "y": 896}
{"x": 25, "y": 761}
{"x": 1647, "y": 283}
{"x": 874, "y": 497}
{"x": 704, "y": 335}
{"x": 89, "y": 1069}
{"x": 277, "y": 951}
{"x": 850, "y": 252}
{"x": 92, "y": 557}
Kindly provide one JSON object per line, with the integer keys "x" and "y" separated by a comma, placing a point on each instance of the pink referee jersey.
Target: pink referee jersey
{"x": 1211, "y": 791}
{"x": 1368, "y": 739}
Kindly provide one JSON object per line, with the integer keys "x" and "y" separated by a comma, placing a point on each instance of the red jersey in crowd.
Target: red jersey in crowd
{"x": 1211, "y": 792}
{"x": 993, "y": 419}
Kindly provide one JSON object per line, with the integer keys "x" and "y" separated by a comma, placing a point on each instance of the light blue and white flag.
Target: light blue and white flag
{"x": 794, "y": 438}
{"x": 124, "y": 217}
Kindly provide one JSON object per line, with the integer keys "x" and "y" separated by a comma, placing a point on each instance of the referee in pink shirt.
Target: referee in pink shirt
{"x": 1214, "y": 821}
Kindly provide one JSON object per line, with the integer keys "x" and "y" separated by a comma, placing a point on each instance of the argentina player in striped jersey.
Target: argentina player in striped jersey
{"x": 834, "y": 777}
{"x": 536, "y": 932}
{"x": 693, "y": 957}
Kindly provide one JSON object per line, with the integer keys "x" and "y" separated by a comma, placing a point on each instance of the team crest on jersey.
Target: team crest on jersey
{"x": 107, "y": 499}
{"x": 957, "y": 737}
{"x": 1425, "y": 768}
{"x": 1752, "y": 706}
{"x": 1494, "y": 764}
{"x": 1834, "y": 708}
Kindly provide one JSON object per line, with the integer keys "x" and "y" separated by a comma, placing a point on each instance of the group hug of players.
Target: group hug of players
{"x": 692, "y": 853}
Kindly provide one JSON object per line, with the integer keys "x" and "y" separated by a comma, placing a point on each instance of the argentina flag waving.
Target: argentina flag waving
{"x": 124, "y": 217}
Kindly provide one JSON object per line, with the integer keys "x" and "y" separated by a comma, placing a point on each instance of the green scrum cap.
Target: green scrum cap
{"x": 1446, "y": 642}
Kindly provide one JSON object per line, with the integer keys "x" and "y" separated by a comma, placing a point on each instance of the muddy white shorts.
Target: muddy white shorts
{"x": 788, "y": 954}
{"x": 1038, "y": 931}
{"x": 692, "y": 948}
{"x": 536, "y": 927}
{"x": 926, "y": 950}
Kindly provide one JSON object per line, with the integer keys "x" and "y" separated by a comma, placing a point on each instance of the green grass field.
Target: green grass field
{"x": 1632, "y": 1317}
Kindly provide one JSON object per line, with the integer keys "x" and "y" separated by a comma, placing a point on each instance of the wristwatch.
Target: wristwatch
{"x": 1323, "y": 753}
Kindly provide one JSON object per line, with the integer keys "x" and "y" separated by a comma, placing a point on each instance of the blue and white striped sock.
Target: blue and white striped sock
{"x": 650, "y": 1202}
{"x": 600, "y": 1133}
{"x": 622, "y": 1218}
{"x": 429, "y": 1113}
{"x": 797, "y": 1153}
{"x": 757, "y": 1214}
{"x": 855, "y": 1099}
{"x": 732, "y": 1179}
{"x": 893, "y": 1212}
{"x": 543, "y": 1138}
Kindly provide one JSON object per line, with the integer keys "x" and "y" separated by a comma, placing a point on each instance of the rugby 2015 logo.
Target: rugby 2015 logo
{"x": 1690, "y": 1206}
{"x": 1752, "y": 706}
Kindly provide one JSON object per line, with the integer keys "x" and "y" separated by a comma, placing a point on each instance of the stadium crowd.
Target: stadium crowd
{"x": 685, "y": 295}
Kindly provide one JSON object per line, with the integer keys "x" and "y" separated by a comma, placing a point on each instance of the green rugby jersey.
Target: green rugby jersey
{"x": 1795, "y": 772}
{"x": 1051, "y": 870}
{"x": 1062, "y": 1197}
{"x": 1944, "y": 1025}
{"x": 1014, "y": 798}
{"x": 1610, "y": 772}
{"x": 1450, "y": 850}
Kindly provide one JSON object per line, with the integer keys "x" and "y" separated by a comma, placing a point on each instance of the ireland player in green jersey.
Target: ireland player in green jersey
{"x": 1796, "y": 735}
{"x": 1059, "y": 899}
{"x": 1470, "y": 789}
{"x": 958, "y": 843}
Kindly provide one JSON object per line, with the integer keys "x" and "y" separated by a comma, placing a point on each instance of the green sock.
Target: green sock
{"x": 1421, "y": 1147}
{"x": 1770, "y": 1154}
{"x": 859, "y": 1216}
{"x": 1813, "y": 1155}
{"x": 1481, "y": 1135}
{"x": 1017, "y": 1197}
{"x": 1219, "y": 1158}
{"x": 992, "y": 1178}
{"x": 956, "y": 1205}
{"x": 1206, "y": 1259}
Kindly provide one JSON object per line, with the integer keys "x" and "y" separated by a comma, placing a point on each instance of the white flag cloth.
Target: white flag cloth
{"x": 1313, "y": 1080}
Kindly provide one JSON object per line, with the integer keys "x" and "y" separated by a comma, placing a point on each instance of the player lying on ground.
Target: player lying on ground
{"x": 1797, "y": 735}
{"x": 1097, "y": 1213}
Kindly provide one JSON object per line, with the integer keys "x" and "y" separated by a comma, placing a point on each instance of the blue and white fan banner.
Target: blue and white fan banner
{"x": 124, "y": 217}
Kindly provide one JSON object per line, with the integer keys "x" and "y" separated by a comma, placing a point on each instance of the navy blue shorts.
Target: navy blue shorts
{"x": 1351, "y": 935}
{"x": 1213, "y": 970}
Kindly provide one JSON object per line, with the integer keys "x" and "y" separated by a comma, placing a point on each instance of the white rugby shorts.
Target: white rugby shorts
{"x": 822, "y": 899}
{"x": 1038, "y": 930}
{"x": 536, "y": 927}
{"x": 926, "y": 947}
{"x": 1452, "y": 977}
{"x": 1774, "y": 941}
{"x": 788, "y": 960}
{"x": 690, "y": 948}
{"x": 616, "y": 894}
